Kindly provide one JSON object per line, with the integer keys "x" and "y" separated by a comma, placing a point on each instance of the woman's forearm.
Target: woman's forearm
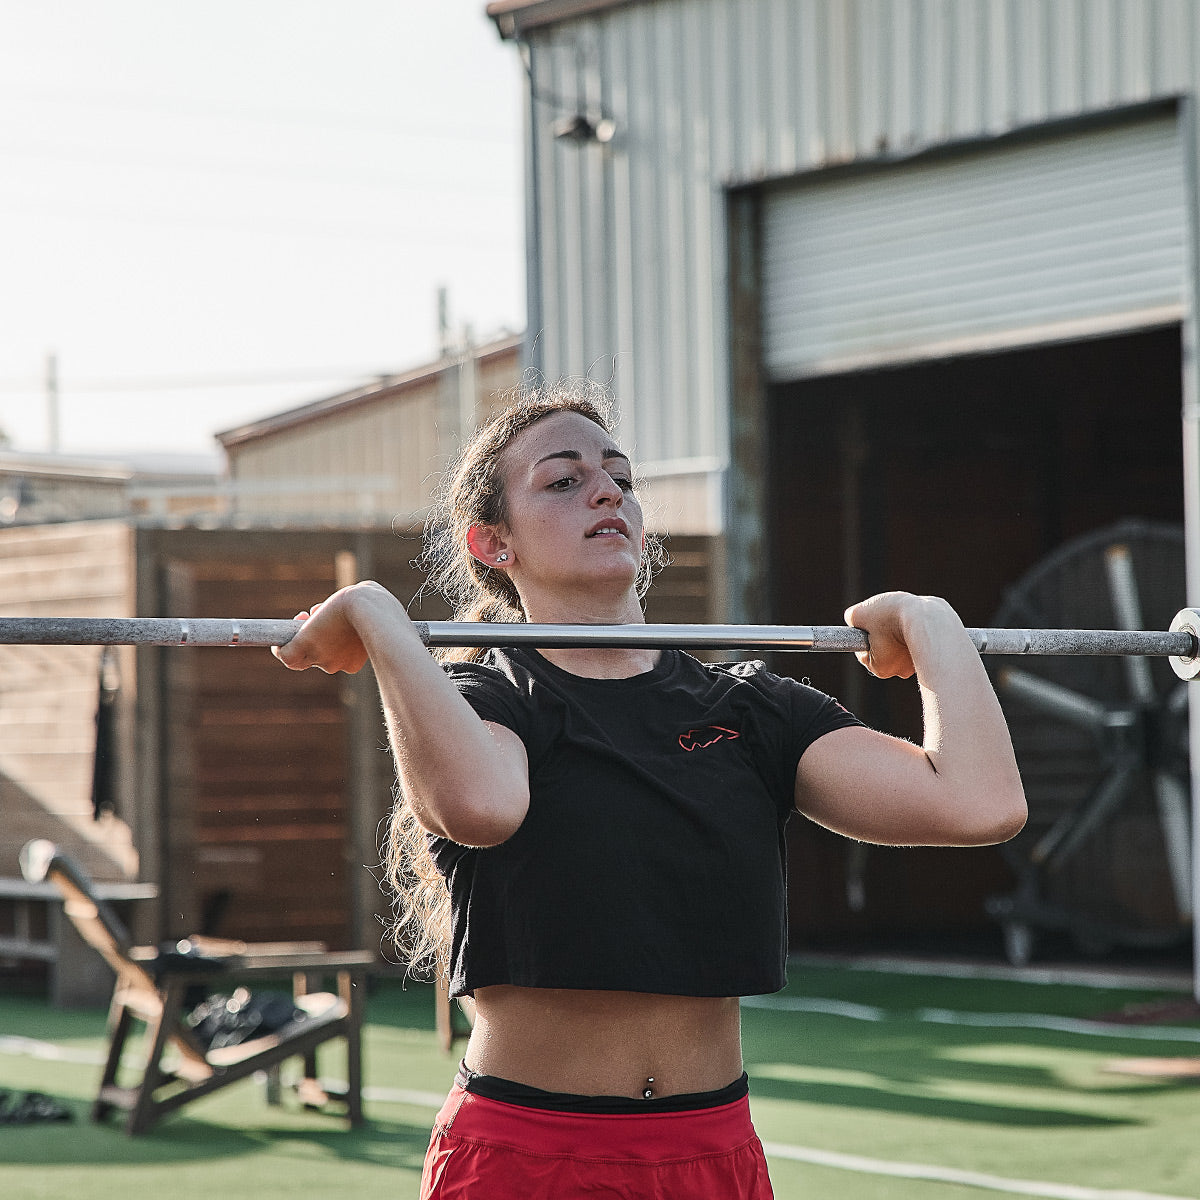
{"x": 464, "y": 779}
{"x": 966, "y": 737}
{"x": 961, "y": 785}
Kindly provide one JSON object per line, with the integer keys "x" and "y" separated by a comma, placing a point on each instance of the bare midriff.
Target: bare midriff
{"x": 606, "y": 1043}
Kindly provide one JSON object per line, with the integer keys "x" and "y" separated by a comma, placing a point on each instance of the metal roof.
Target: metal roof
{"x": 61, "y": 466}
{"x": 371, "y": 393}
{"x": 514, "y": 17}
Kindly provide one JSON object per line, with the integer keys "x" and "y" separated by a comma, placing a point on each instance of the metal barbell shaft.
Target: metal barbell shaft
{"x": 205, "y": 631}
{"x": 811, "y": 638}
{"x": 143, "y": 631}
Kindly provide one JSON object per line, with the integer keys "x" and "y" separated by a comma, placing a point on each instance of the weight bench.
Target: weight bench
{"x": 152, "y": 988}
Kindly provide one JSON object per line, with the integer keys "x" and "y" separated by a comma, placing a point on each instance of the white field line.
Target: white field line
{"x": 995, "y": 1183}
{"x": 806, "y": 1154}
{"x": 48, "y": 1051}
{"x": 946, "y": 1016}
{"x": 1075, "y": 976}
{"x": 386, "y": 1095}
{"x": 1112, "y": 1029}
{"x": 814, "y": 1004}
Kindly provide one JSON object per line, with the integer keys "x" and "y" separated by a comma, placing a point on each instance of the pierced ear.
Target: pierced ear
{"x": 487, "y": 546}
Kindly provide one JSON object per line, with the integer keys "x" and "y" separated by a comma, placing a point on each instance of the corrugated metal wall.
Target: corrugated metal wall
{"x": 1030, "y": 240}
{"x": 629, "y": 236}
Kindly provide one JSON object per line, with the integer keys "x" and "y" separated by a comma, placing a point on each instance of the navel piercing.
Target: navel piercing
{"x": 502, "y": 558}
{"x": 648, "y": 1091}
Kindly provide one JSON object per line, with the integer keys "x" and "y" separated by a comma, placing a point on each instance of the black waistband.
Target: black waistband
{"x": 492, "y": 1087}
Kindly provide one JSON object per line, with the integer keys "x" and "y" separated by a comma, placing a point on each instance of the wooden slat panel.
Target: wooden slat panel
{"x": 48, "y": 694}
{"x": 682, "y": 591}
{"x": 258, "y": 765}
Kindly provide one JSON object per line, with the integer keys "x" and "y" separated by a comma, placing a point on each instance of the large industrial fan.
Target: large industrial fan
{"x": 1103, "y": 751}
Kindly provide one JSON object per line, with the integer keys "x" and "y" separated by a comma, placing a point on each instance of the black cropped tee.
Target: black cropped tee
{"x": 652, "y": 855}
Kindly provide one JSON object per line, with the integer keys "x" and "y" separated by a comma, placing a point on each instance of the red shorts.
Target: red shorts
{"x": 485, "y": 1149}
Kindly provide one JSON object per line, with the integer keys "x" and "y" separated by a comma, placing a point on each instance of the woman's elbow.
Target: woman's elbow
{"x": 996, "y": 817}
{"x": 1017, "y": 815}
{"x": 482, "y": 821}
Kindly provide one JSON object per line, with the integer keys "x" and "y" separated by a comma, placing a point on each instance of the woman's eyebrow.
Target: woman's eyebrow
{"x": 575, "y": 456}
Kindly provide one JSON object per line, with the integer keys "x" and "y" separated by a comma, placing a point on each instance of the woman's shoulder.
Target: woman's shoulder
{"x": 748, "y": 668}
{"x": 752, "y": 672}
{"x": 782, "y": 690}
{"x": 497, "y": 670}
{"x": 497, "y": 687}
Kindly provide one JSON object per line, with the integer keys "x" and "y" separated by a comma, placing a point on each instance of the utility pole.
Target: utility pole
{"x": 467, "y": 387}
{"x": 52, "y": 400}
{"x": 443, "y": 321}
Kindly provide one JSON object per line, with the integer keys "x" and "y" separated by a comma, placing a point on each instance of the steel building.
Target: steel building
{"x": 372, "y": 455}
{"x": 893, "y": 293}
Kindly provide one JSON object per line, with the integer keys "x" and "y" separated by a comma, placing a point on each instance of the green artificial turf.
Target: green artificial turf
{"x": 875, "y": 1081}
{"x": 1030, "y": 1104}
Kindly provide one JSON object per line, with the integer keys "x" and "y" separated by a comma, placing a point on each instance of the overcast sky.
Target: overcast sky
{"x": 244, "y": 192}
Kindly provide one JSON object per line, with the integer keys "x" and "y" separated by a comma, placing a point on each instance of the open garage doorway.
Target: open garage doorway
{"x": 954, "y": 478}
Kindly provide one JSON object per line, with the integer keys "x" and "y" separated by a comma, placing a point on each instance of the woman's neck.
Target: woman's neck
{"x": 591, "y": 661}
{"x": 604, "y": 664}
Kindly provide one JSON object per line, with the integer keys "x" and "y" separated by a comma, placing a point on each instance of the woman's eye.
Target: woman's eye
{"x": 568, "y": 481}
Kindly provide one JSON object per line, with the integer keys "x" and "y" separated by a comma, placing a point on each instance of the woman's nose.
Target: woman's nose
{"x": 608, "y": 491}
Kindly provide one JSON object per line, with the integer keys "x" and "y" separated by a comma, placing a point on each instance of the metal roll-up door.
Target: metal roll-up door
{"x": 1032, "y": 241}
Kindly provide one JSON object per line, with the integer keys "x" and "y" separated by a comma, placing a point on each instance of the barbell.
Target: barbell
{"x": 1181, "y": 644}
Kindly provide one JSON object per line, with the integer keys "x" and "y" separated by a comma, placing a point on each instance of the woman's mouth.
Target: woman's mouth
{"x": 609, "y": 531}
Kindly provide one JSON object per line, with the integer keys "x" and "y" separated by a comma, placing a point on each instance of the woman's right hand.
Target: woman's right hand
{"x": 465, "y": 779}
{"x": 328, "y": 639}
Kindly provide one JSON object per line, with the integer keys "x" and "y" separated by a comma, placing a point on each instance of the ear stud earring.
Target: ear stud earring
{"x": 502, "y": 558}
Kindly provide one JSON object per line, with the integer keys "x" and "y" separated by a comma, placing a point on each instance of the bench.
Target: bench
{"x": 38, "y": 929}
{"x": 177, "y": 1066}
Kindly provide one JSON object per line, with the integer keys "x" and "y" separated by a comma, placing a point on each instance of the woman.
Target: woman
{"x": 605, "y": 826}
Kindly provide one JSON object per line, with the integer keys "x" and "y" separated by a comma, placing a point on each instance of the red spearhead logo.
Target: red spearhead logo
{"x": 698, "y": 739}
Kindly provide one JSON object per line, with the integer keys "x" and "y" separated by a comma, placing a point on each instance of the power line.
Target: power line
{"x": 170, "y": 383}
{"x": 313, "y": 119}
{"x": 216, "y": 379}
{"x": 401, "y": 233}
{"x": 333, "y": 176}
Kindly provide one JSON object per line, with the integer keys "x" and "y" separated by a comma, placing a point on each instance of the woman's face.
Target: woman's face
{"x": 573, "y": 529}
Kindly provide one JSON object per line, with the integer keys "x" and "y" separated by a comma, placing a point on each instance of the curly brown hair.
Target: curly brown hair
{"x": 472, "y": 493}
